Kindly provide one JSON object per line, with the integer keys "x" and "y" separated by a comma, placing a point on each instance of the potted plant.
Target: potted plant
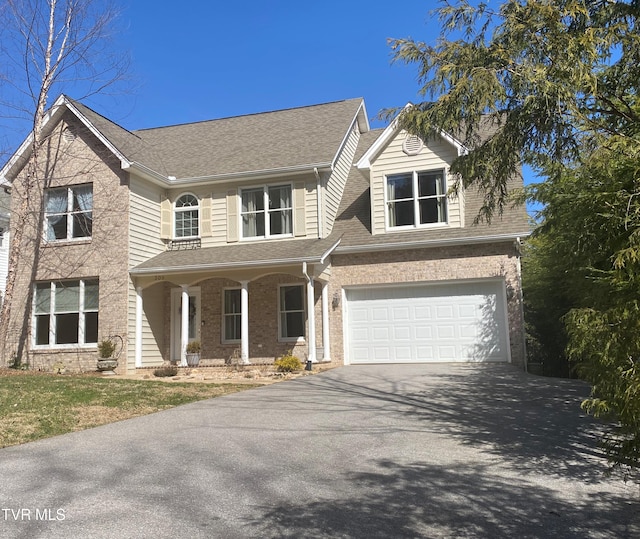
{"x": 108, "y": 352}
{"x": 193, "y": 353}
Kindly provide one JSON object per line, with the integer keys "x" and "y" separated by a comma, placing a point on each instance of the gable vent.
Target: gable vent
{"x": 412, "y": 145}
{"x": 68, "y": 134}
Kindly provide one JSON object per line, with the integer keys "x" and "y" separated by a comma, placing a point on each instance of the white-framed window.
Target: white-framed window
{"x": 232, "y": 315}
{"x": 291, "y": 320}
{"x": 66, "y": 313}
{"x": 69, "y": 212}
{"x": 186, "y": 217}
{"x": 267, "y": 211}
{"x": 416, "y": 199}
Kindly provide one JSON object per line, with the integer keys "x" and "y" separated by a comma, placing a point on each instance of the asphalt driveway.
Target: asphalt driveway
{"x": 363, "y": 451}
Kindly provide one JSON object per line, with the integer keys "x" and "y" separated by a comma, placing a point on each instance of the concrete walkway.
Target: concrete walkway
{"x": 401, "y": 451}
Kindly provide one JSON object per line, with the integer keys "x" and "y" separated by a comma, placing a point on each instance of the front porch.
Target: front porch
{"x": 248, "y": 319}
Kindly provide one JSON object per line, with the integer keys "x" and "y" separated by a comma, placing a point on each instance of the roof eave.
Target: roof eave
{"x": 449, "y": 242}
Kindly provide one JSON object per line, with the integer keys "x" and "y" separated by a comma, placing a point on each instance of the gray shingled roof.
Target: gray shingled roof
{"x": 271, "y": 140}
{"x": 264, "y": 253}
{"x": 297, "y": 137}
{"x": 132, "y": 146}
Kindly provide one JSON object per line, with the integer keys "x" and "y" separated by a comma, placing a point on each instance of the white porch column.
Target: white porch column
{"x": 244, "y": 321}
{"x": 311, "y": 341}
{"x": 138, "y": 350}
{"x": 326, "y": 354}
{"x": 184, "y": 325}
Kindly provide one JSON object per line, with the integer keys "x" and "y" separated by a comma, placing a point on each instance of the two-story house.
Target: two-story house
{"x": 300, "y": 229}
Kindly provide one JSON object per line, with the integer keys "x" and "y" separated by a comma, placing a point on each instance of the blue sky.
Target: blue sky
{"x": 200, "y": 60}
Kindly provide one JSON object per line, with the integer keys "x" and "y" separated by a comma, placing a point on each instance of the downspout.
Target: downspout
{"x": 319, "y": 197}
{"x": 521, "y": 300}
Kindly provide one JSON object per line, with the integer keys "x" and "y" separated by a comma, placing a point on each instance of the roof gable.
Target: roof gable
{"x": 390, "y": 132}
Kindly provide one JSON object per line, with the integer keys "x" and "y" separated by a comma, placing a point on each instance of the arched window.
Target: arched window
{"x": 187, "y": 217}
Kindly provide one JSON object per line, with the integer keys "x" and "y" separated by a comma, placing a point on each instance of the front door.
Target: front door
{"x": 176, "y": 319}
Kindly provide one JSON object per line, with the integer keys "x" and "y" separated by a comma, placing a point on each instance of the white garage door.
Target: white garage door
{"x": 427, "y": 323}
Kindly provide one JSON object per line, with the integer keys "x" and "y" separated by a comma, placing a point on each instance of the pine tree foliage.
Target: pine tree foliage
{"x": 558, "y": 82}
{"x": 553, "y": 77}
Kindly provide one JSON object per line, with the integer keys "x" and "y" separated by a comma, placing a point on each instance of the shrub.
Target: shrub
{"x": 193, "y": 347}
{"x": 288, "y": 363}
{"x": 166, "y": 371}
{"x": 106, "y": 348}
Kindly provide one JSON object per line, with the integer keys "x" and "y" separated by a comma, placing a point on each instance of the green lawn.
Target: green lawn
{"x": 36, "y": 405}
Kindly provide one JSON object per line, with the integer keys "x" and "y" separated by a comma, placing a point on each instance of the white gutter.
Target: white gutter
{"x": 251, "y": 174}
{"x": 223, "y": 266}
{"x": 329, "y": 251}
{"x": 430, "y": 243}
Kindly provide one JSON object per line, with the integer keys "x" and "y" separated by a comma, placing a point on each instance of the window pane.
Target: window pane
{"x": 292, "y": 324}
{"x": 233, "y": 327}
{"x": 401, "y": 213}
{"x": 43, "y": 298}
{"x": 42, "y": 329}
{"x": 291, "y": 298}
{"x": 280, "y": 222}
{"x": 253, "y": 225}
{"x": 280, "y": 197}
{"x": 56, "y": 227}
{"x": 67, "y": 328}
{"x": 186, "y": 201}
{"x": 430, "y": 184}
{"x": 90, "y": 327}
{"x": 252, "y": 200}
{"x": 56, "y": 201}
{"x": 400, "y": 187}
{"x": 187, "y": 223}
{"x": 231, "y": 301}
{"x": 67, "y": 297}
{"x": 432, "y": 210}
{"x": 91, "y": 295}
{"x": 82, "y": 198}
{"x": 82, "y": 225}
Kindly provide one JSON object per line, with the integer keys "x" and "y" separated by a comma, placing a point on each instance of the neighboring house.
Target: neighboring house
{"x": 297, "y": 229}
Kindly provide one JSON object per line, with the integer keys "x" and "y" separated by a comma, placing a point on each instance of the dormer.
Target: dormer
{"x": 411, "y": 184}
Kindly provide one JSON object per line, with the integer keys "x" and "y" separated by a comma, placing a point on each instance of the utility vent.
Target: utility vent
{"x": 68, "y": 134}
{"x": 412, "y": 145}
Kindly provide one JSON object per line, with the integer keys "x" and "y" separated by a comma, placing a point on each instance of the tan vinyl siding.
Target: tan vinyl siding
{"x": 153, "y": 312}
{"x": 337, "y": 180}
{"x": 144, "y": 223}
{"x": 437, "y": 154}
{"x": 311, "y": 213}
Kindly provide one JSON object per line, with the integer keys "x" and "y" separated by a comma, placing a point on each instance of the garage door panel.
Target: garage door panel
{"x": 401, "y": 333}
{"x": 427, "y": 323}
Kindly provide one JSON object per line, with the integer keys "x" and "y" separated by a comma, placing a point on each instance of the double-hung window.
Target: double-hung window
{"x": 69, "y": 212}
{"x": 187, "y": 217}
{"x": 292, "y": 313}
{"x": 416, "y": 199}
{"x": 267, "y": 212}
{"x": 66, "y": 312}
{"x": 232, "y": 320}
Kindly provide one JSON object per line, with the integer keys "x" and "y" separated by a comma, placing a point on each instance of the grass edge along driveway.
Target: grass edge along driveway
{"x": 37, "y": 405}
